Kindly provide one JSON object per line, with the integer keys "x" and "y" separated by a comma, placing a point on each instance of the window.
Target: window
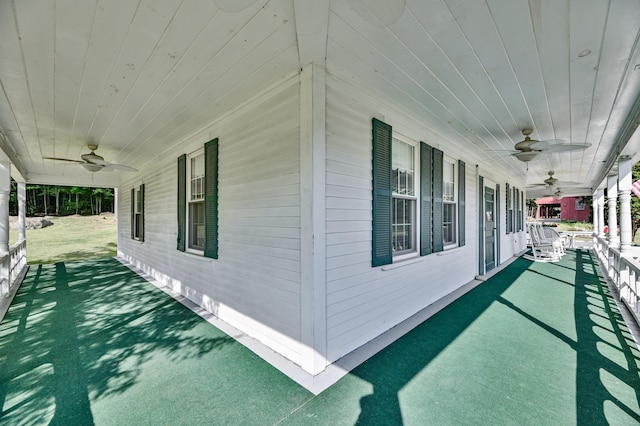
{"x": 449, "y": 204}
{"x": 198, "y": 201}
{"x": 579, "y": 204}
{"x": 195, "y": 202}
{"x": 418, "y": 201}
{"x": 137, "y": 213}
{"x": 404, "y": 198}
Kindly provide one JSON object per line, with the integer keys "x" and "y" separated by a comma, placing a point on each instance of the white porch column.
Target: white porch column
{"x": 601, "y": 213}
{"x": 312, "y": 217}
{"x": 612, "y": 199}
{"x": 22, "y": 211}
{"x": 594, "y": 208}
{"x": 624, "y": 186}
{"x": 5, "y": 189}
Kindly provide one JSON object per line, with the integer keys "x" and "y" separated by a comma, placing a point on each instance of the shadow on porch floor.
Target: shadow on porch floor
{"x": 93, "y": 343}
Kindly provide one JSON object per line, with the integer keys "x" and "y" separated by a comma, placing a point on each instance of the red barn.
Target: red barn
{"x": 566, "y": 208}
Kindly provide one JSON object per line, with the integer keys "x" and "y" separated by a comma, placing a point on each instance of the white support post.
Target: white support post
{"x": 22, "y": 211}
{"x": 312, "y": 187}
{"x": 5, "y": 189}
{"x": 612, "y": 199}
{"x": 624, "y": 186}
{"x": 596, "y": 221}
{"x": 115, "y": 204}
{"x": 601, "y": 213}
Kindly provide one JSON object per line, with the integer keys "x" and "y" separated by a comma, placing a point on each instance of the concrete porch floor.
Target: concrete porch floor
{"x": 94, "y": 343}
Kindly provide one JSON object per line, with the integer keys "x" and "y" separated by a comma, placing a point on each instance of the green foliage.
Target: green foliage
{"x": 635, "y": 201}
{"x": 63, "y": 200}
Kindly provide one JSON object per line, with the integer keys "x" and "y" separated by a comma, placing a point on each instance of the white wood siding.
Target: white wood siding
{"x": 255, "y": 283}
{"x": 363, "y": 302}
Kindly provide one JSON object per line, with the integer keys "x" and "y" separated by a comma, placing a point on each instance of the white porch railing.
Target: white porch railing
{"x": 11, "y": 266}
{"x": 623, "y": 271}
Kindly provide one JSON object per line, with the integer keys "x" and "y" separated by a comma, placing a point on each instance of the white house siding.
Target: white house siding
{"x": 363, "y": 302}
{"x": 255, "y": 283}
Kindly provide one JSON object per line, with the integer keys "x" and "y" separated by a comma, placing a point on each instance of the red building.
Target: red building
{"x": 565, "y": 208}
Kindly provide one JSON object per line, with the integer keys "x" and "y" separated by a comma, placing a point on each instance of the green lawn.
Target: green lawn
{"x": 71, "y": 238}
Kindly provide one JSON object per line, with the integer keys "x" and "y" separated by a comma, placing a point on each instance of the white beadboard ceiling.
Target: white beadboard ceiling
{"x": 136, "y": 77}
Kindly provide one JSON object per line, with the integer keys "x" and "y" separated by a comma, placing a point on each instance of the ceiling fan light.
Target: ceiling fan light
{"x": 92, "y": 167}
{"x": 527, "y": 156}
{"x": 92, "y": 157}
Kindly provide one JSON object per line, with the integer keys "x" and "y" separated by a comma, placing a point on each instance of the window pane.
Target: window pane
{"x": 137, "y": 224}
{"x": 196, "y": 226}
{"x": 403, "y": 225}
{"x": 449, "y": 223}
{"x": 402, "y": 168}
{"x": 138, "y": 202}
{"x": 197, "y": 178}
{"x": 449, "y": 182}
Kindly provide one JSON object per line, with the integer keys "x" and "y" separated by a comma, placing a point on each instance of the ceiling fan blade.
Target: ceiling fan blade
{"x": 567, "y": 147}
{"x": 121, "y": 167}
{"x": 63, "y": 159}
{"x": 98, "y": 161}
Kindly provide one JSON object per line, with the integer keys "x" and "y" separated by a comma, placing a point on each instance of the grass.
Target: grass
{"x": 575, "y": 226}
{"x": 71, "y": 238}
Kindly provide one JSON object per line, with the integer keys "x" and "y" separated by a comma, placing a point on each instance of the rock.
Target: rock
{"x": 32, "y": 222}
{"x": 39, "y": 222}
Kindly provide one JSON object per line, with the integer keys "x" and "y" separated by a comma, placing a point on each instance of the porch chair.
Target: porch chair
{"x": 541, "y": 249}
{"x": 550, "y": 235}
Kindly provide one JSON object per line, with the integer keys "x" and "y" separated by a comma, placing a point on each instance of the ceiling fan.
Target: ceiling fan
{"x": 550, "y": 182}
{"x": 528, "y": 149}
{"x": 94, "y": 162}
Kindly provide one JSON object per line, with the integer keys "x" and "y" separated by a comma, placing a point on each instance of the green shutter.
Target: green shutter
{"x": 438, "y": 157}
{"x": 506, "y": 209}
{"x": 426, "y": 195}
{"x": 517, "y": 209}
{"x": 182, "y": 200}
{"x": 497, "y": 222}
{"x": 514, "y": 210}
{"x": 522, "y": 211}
{"x": 481, "y": 225}
{"x": 141, "y": 231}
{"x": 211, "y": 199}
{"x": 381, "y": 244}
{"x": 461, "y": 202}
{"x": 133, "y": 213}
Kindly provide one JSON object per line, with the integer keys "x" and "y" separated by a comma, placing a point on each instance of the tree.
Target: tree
{"x": 635, "y": 202}
{"x": 532, "y": 207}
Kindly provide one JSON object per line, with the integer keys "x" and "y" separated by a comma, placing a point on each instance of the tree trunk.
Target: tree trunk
{"x": 76, "y": 203}
{"x": 57, "y": 202}
{"x": 45, "y": 189}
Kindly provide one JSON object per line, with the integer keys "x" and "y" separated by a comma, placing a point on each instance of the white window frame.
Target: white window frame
{"x": 137, "y": 211}
{"x": 447, "y": 161}
{"x": 415, "y": 235}
{"x": 188, "y": 243}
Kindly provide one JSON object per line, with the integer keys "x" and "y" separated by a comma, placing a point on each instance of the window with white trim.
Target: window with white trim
{"x": 137, "y": 224}
{"x": 137, "y": 213}
{"x": 195, "y": 202}
{"x": 410, "y": 197}
{"x": 449, "y": 204}
{"x": 404, "y": 197}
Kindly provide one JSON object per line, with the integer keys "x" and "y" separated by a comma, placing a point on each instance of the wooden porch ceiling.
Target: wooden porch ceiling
{"x": 136, "y": 77}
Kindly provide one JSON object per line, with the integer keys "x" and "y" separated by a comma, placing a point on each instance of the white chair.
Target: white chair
{"x": 542, "y": 250}
{"x": 552, "y": 236}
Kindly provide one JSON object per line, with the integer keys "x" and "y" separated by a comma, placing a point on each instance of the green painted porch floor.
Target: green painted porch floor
{"x": 93, "y": 343}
